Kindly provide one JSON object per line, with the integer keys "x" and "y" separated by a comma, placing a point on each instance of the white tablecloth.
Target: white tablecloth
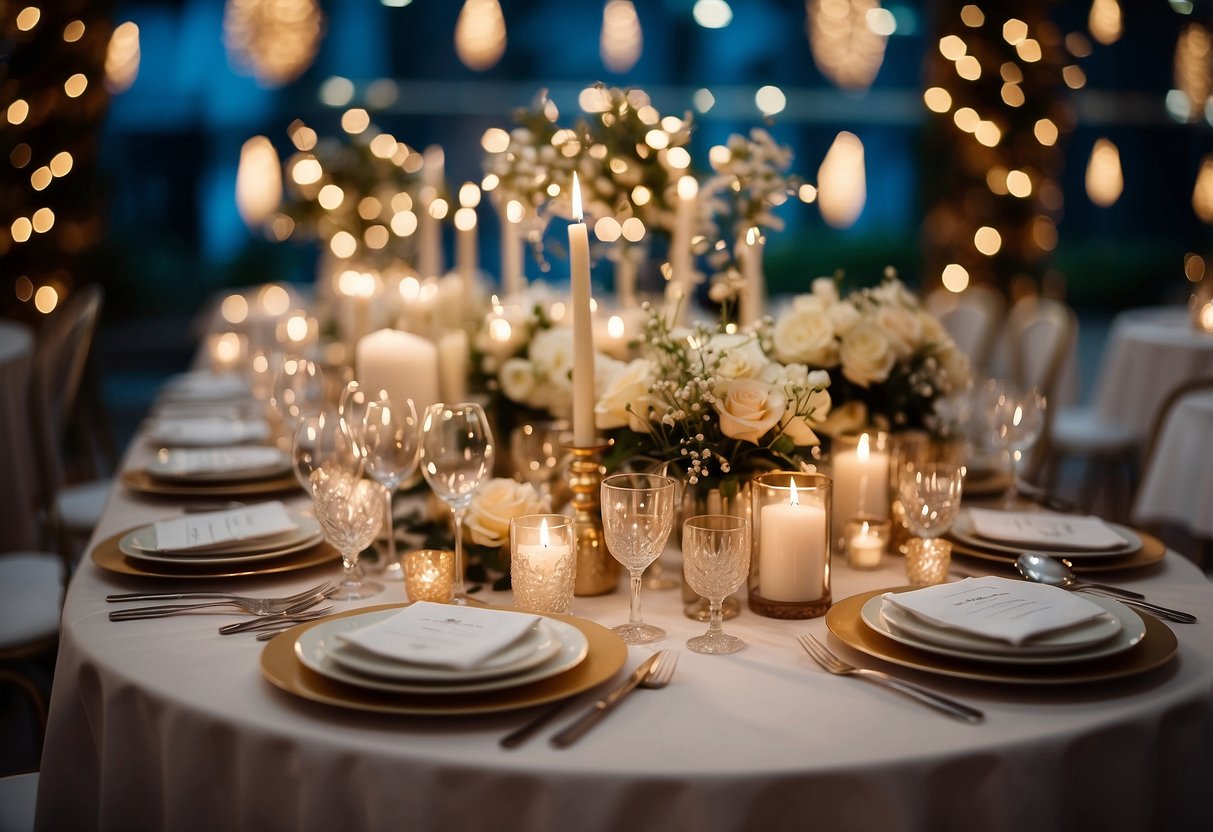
{"x": 164, "y": 724}
{"x": 1177, "y": 485}
{"x": 18, "y": 475}
{"x": 1150, "y": 352}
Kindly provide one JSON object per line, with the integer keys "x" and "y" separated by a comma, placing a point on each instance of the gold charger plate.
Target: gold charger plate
{"x": 140, "y": 481}
{"x": 109, "y": 557}
{"x": 1151, "y": 552}
{"x": 985, "y": 483}
{"x": 1156, "y": 648}
{"x": 282, "y": 668}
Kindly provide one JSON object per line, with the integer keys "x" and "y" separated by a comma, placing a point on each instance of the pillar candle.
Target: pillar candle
{"x": 861, "y": 483}
{"x": 465, "y": 246}
{"x": 792, "y": 551}
{"x": 453, "y": 366}
{"x": 513, "y": 279}
{"x": 682, "y": 265}
{"x": 429, "y": 229}
{"x": 403, "y": 364}
{"x": 753, "y": 282}
{"x": 583, "y": 326}
{"x": 625, "y": 277}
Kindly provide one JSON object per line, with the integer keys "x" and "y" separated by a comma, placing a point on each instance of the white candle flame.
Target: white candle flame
{"x": 861, "y": 452}
{"x": 577, "y": 212}
{"x": 795, "y": 499}
{"x": 544, "y": 540}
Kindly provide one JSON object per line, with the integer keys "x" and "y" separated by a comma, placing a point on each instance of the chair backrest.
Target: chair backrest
{"x": 60, "y": 355}
{"x": 973, "y": 318}
{"x": 1041, "y": 335}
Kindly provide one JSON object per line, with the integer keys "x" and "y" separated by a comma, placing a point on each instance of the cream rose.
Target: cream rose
{"x": 806, "y": 335}
{"x": 749, "y": 409}
{"x": 497, "y": 502}
{"x": 826, "y": 289}
{"x": 843, "y": 316}
{"x": 956, "y": 365}
{"x": 517, "y": 378}
{"x": 628, "y": 386}
{"x": 741, "y": 356}
{"x": 866, "y": 355}
{"x": 903, "y": 328}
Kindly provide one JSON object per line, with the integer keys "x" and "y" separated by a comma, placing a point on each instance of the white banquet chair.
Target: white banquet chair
{"x": 973, "y": 318}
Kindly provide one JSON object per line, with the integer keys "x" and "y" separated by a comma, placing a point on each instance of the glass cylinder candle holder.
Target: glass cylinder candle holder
{"x": 928, "y": 560}
{"x": 227, "y": 352}
{"x": 867, "y": 541}
{"x": 860, "y": 470}
{"x": 429, "y": 574}
{"x": 790, "y": 565}
{"x": 542, "y": 562}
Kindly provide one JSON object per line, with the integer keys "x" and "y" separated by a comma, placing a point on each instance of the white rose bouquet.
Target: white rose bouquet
{"x": 714, "y": 404}
{"x": 893, "y": 362}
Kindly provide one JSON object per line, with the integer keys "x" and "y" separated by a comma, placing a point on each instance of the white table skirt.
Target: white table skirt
{"x": 1177, "y": 485}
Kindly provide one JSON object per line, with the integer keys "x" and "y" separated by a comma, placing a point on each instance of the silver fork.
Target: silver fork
{"x": 181, "y": 596}
{"x": 253, "y": 606}
{"x": 271, "y": 622}
{"x": 832, "y": 664}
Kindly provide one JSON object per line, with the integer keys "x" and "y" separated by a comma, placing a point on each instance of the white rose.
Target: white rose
{"x": 846, "y": 418}
{"x": 866, "y": 354}
{"x": 749, "y": 409}
{"x": 844, "y": 316}
{"x": 805, "y": 335}
{"x": 826, "y": 290}
{"x": 797, "y": 426}
{"x": 495, "y": 503}
{"x": 551, "y": 352}
{"x": 956, "y": 365}
{"x": 932, "y": 330}
{"x": 629, "y": 386}
{"x": 740, "y": 356}
{"x": 517, "y": 378}
{"x": 902, "y": 326}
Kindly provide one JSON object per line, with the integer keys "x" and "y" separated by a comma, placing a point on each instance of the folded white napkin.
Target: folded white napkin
{"x": 206, "y": 385}
{"x": 442, "y": 635}
{"x": 999, "y": 608}
{"x": 1044, "y": 528}
{"x": 210, "y": 529}
{"x": 207, "y": 431}
{"x": 219, "y": 460}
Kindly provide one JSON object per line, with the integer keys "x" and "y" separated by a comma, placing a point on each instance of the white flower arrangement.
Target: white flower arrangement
{"x": 497, "y": 502}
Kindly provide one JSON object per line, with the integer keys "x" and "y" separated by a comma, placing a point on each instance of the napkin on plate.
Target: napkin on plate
{"x": 1044, "y": 528}
{"x": 999, "y": 608}
{"x": 207, "y": 431}
{"x": 442, "y": 634}
{"x": 219, "y": 460}
{"x": 195, "y": 532}
{"x": 206, "y": 385}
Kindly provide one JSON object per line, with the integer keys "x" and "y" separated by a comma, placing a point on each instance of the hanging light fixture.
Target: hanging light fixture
{"x": 275, "y": 40}
{"x": 1193, "y": 56}
{"x": 480, "y": 34}
{"x": 622, "y": 39}
{"x": 842, "y": 188}
{"x": 122, "y": 57}
{"x": 258, "y": 181}
{"x": 1202, "y": 194}
{"x": 1105, "y": 21}
{"x": 1104, "y": 178}
{"x": 847, "y": 38}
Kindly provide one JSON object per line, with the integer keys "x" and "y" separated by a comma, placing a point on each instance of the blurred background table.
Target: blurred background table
{"x": 18, "y": 528}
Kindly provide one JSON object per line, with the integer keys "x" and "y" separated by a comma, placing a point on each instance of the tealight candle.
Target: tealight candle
{"x": 866, "y": 539}
{"x": 861, "y": 478}
{"x": 542, "y": 567}
{"x": 429, "y": 575}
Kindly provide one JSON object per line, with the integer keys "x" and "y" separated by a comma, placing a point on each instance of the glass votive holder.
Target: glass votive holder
{"x": 542, "y": 562}
{"x": 867, "y": 541}
{"x": 928, "y": 560}
{"x": 429, "y": 574}
{"x": 226, "y": 351}
{"x": 791, "y": 545}
{"x": 859, "y": 467}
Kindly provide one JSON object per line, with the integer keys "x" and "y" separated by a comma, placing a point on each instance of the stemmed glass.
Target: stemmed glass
{"x": 390, "y": 439}
{"x": 1016, "y": 419}
{"x": 299, "y": 388}
{"x": 538, "y": 451}
{"x": 320, "y": 441}
{"x": 716, "y": 562}
{"x": 350, "y": 512}
{"x": 930, "y": 494}
{"x": 457, "y": 451}
{"x": 637, "y": 517}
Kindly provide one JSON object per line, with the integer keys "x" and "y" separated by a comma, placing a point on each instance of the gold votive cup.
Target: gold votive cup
{"x": 928, "y": 560}
{"x": 867, "y": 542}
{"x": 542, "y": 562}
{"x": 429, "y": 574}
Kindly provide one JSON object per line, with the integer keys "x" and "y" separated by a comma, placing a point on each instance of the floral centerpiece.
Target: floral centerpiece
{"x": 892, "y": 362}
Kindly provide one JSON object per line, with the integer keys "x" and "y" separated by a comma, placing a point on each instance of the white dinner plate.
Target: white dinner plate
{"x": 207, "y": 432}
{"x": 314, "y": 646}
{"x": 1132, "y": 630}
{"x": 964, "y": 532}
{"x": 270, "y": 462}
{"x": 535, "y": 647}
{"x": 140, "y": 544}
{"x": 203, "y": 386}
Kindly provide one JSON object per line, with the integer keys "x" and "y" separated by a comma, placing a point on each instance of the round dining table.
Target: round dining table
{"x": 166, "y": 724}
{"x": 18, "y": 526}
{"x": 1177, "y": 483}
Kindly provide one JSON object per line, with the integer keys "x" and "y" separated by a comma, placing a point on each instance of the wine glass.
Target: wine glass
{"x": 457, "y": 451}
{"x": 350, "y": 512}
{"x": 538, "y": 451}
{"x": 716, "y": 562}
{"x": 930, "y": 495}
{"x": 320, "y": 441}
{"x": 299, "y": 388}
{"x": 390, "y": 438}
{"x": 637, "y": 517}
{"x": 352, "y": 407}
{"x": 1016, "y": 419}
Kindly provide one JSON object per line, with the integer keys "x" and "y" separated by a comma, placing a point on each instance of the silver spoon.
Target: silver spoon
{"x": 1046, "y": 570}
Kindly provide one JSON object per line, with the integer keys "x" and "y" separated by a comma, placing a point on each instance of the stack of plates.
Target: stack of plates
{"x": 213, "y": 465}
{"x": 1135, "y": 549}
{"x": 558, "y": 657}
{"x": 203, "y": 386}
{"x": 140, "y": 546}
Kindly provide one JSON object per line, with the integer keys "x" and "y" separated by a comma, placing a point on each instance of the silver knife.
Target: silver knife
{"x": 573, "y": 732}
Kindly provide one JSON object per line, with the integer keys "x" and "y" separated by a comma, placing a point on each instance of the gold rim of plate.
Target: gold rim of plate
{"x": 140, "y": 481}
{"x": 109, "y": 557}
{"x": 282, "y": 668}
{"x": 1156, "y": 648}
{"x": 1151, "y": 552}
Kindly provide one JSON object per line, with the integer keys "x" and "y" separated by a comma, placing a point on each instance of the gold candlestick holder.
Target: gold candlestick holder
{"x": 597, "y": 571}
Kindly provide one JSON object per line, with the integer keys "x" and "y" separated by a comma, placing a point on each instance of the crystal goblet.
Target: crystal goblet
{"x": 350, "y": 512}
{"x": 716, "y": 561}
{"x": 637, "y": 517}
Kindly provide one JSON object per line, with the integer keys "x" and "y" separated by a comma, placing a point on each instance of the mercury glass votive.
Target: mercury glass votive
{"x": 542, "y": 562}
{"x": 867, "y": 541}
{"x": 790, "y": 565}
{"x": 429, "y": 574}
{"x": 928, "y": 560}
